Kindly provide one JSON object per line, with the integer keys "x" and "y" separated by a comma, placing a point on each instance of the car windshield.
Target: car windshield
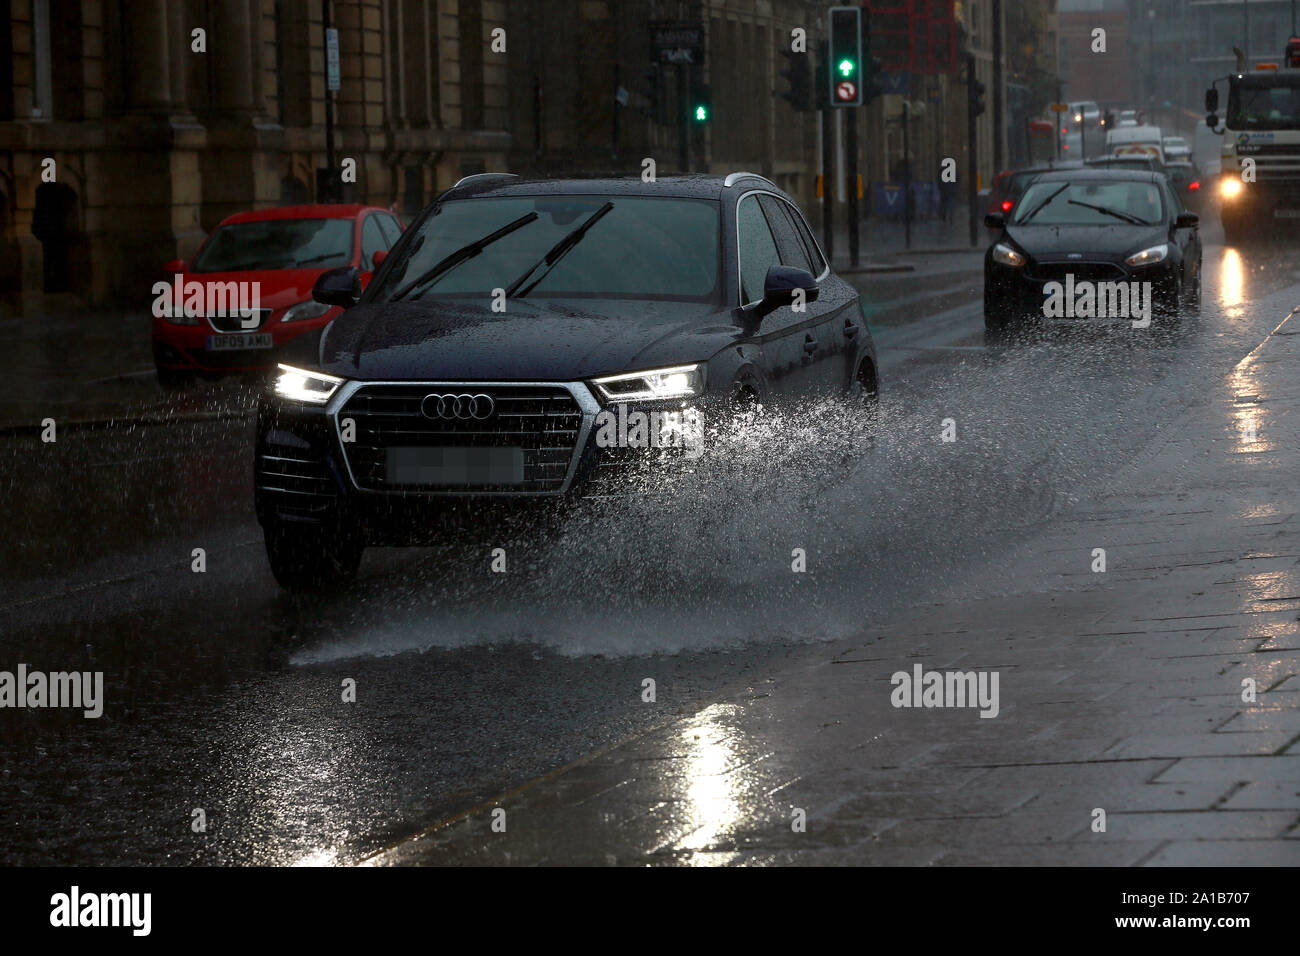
{"x": 1080, "y": 204}
{"x": 277, "y": 244}
{"x": 1274, "y": 104}
{"x": 640, "y": 248}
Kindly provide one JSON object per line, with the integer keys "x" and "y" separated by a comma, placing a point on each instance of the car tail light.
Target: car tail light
{"x": 1195, "y": 185}
{"x": 1006, "y": 205}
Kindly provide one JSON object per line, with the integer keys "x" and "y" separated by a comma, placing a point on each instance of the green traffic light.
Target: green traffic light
{"x": 701, "y": 113}
{"x": 846, "y": 67}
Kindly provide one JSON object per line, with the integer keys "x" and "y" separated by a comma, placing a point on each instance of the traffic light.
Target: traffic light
{"x": 1108, "y": 120}
{"x": 975, "y": 91}
{"x": 871, "y": 70}
{"x": 701, "y": 103}
{"x": 844, "y": 27}
{"x": 799, "y": 75}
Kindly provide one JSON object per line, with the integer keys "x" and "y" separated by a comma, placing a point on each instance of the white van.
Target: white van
{"x": 1135, "y": 139}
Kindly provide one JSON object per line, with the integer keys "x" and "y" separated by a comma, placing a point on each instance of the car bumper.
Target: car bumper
{"x": 188, "y": 347}
{"x": 1020, "y": 294}
{"x": 305, "y": 471}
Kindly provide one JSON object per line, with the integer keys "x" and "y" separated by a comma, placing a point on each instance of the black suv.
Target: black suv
{"x": 518, "y": 323}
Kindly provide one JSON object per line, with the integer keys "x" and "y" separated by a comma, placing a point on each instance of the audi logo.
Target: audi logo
{"x": 463, "y": 406}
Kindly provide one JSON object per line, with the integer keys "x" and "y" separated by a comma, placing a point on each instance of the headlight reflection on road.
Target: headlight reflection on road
{"x": 1232, "y": 282}
{"x": 711, "y": 802}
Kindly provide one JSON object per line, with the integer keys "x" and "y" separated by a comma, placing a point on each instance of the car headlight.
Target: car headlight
{"x": 311, "y": 309}
{"x": 1150, "y": 256}
{"x": 1004, "y": 254}
{"x": 300, "y": 385}
{"x": 1230, "y": 187}
{"x": 680, "y": 381}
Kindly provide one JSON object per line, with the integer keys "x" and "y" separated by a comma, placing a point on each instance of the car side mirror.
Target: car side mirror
{"x": 1186, "y": 220}
{"x": 174, "y": 267}
{"x": 995, "y": 220}
{"x": 781, "y": 286}
{"x": 341, "y": 286}
{"x": 378, "y": 258}
{"x": 1211, "y": 100}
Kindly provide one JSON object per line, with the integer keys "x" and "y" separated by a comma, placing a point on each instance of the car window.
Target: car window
{"x": 814, "y": 254}
{"x": 392, "y": 229}
{"x": 643, "y": 248}
{"x": 372, "y": 241}
{"x": 1075, "y": 205}
{"x": 788, "y": 242}
{"x": 758, "y": 251}
{"x": 277, "y": 244}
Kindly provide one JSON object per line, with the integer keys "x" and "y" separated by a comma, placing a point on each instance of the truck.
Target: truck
{"x": 1260, "y": 154}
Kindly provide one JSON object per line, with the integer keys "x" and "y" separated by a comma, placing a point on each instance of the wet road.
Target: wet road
{"x": 224, "y": 693}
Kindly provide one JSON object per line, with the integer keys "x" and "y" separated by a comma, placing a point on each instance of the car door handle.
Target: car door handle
{"x": 850, "y": 330}
{"x": 810, "y": 345}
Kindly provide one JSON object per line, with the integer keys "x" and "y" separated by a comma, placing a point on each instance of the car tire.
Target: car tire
{"x": 309, "y": 558}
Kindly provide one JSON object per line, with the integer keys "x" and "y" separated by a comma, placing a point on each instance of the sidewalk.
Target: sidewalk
{"x": 1120, "y": 692}
{"x": 90, "y": 367}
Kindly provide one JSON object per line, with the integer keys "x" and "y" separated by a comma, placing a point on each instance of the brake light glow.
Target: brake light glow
{"x": 1006, "y": 205}
{"x": 1195, "y": 185}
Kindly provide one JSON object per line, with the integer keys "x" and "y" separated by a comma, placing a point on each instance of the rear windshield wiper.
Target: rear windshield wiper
{"x": 461, "y": 255}
{"x": 1110, "y": 212}
{"x": 556, "y": 253}
{"x": 1039, "y": 208}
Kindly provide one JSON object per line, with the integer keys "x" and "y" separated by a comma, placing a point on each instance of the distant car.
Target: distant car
{"x": 1186, "y": 180}
{"x": 1011, "y": 184}
{"x": 1136, "y": 139}
{"x": 284, "y": 250}
{"x": 1086, "y": 112}
{"x": 1176, "y": 148}
{"x": 1098, "y": 225}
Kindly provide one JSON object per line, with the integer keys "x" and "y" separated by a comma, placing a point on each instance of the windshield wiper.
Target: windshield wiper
{"x": 556, "y": 253}
{"x": 1110, "y": 212}
{"x": 462, "y": 254}
{"x": 1039, "y": 208}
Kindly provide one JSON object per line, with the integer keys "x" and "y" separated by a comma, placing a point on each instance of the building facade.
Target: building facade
{"x": 129, "y": 128}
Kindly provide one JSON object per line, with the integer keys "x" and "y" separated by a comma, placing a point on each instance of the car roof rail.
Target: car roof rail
{"x": 733, "y": 178}
{"x": 464, "y": 179}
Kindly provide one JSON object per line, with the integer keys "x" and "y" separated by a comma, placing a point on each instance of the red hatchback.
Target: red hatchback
{"x": 245, "y": 298}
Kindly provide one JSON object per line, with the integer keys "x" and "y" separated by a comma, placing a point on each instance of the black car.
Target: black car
{"x": 1093, "y": 231}
{"x": 1185, "y": 177}
{"x": 511, "y": 323}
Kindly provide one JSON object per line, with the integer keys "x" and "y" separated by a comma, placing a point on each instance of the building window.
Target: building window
{"x": 42, "y": 72}
{"x": 471, "y": 64}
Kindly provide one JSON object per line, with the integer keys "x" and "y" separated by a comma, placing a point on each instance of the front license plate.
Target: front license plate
{"x": 1286, "y": 213}
{"x": 239, "y": 340}
{"x": 455, "y": 466}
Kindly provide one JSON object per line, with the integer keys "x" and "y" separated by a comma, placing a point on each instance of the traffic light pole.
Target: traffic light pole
{"x": 972, "y": 145}
{"x": 851, "y": 147}
{"x": 684, "y": 108}
{"x": 828, "y": 183}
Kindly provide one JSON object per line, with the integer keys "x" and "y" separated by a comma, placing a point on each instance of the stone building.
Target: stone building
{"x": 161, "y": 117}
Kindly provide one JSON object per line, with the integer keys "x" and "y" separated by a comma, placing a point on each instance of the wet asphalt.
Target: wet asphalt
{"x": 224, "y": 693}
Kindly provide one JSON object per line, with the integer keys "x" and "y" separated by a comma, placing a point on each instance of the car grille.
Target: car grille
{"x": 296, "y": 486}
{"x": 1082, "y": 271}
{"x": 233, "y": 323}
{"x": 543, "y": 420}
